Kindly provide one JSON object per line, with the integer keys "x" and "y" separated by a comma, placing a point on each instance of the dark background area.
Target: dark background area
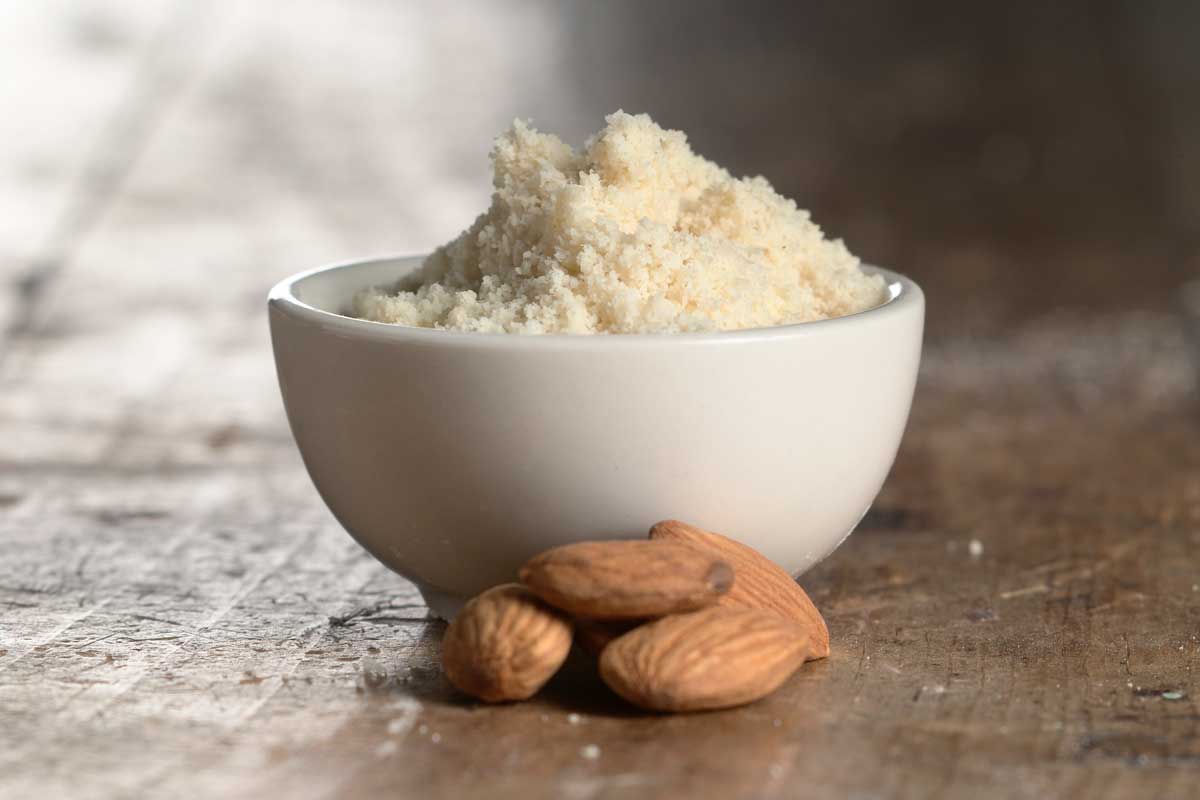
{"x": 1014, "y": 157}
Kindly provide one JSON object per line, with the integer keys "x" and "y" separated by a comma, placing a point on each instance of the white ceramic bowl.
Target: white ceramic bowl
{"x": 453, "y": 457}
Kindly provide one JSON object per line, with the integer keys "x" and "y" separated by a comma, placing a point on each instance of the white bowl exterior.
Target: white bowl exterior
{"x": 453, "y": 457}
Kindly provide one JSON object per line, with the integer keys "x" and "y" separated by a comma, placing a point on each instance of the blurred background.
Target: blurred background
{"x": 1015, "y": 158}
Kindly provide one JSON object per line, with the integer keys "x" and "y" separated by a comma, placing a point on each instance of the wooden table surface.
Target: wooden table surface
{"x": 181, "y": 617}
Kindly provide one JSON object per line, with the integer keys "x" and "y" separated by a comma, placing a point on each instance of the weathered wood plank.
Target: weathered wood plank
{"x": 1041, "y": 661}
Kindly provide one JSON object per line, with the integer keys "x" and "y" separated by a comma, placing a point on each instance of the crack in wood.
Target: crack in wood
{"x": 368, "y": 614}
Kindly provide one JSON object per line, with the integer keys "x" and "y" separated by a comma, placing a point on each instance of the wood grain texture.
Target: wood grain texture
{"x": 179, "y": 616}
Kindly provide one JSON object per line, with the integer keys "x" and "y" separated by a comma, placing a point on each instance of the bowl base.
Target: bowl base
{"x": 441, "y": 605}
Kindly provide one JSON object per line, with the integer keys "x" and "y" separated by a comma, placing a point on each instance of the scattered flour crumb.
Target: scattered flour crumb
{"x": 590, "y": 751}
{"x": 374, "y": 674}
{"x": 386, "y": 748}
{"x": 435, "y": 738}
{"x": 975, "y": 548}
{"x": 574, "y": 719}
{"x": 776, "y": 723}
{"x": 634, "y": 234}
{"x": 423, "y": 729}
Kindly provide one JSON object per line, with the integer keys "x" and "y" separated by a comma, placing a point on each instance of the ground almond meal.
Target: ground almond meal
{"x": 636, "y": 234}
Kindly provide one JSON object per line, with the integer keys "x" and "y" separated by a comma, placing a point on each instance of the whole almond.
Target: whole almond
{"x": 627, "y": 579}
{"x": 715, "y": 658}
{"x": 760, "y": 582}
{"x": 505, "y": 644}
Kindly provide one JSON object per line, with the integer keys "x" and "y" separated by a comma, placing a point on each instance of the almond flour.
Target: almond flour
{"x": 635, "y": 234}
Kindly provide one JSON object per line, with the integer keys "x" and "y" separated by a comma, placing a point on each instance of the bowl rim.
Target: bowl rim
{"x": 904, "y": 297}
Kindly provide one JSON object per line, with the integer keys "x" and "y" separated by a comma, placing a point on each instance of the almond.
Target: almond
{"x": 715, "y": 658}
{"x": 760, "y": 583}
{"x": 628, "y": 579}
{"x": 505, "y": 644}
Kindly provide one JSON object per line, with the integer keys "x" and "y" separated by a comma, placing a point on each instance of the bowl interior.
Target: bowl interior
{"x": 331, "y": 290}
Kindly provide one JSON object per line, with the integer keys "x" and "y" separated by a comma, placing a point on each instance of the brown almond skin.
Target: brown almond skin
{"x": 505, "y": 644}
{"x": 627, "y": 579}
{"x": 593, "y": 635}
{"x": 716, "y": 658}
{"x": 760, "y": 583}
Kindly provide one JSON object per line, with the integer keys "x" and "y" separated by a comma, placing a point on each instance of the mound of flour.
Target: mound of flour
{"x": 635, "y": 234}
